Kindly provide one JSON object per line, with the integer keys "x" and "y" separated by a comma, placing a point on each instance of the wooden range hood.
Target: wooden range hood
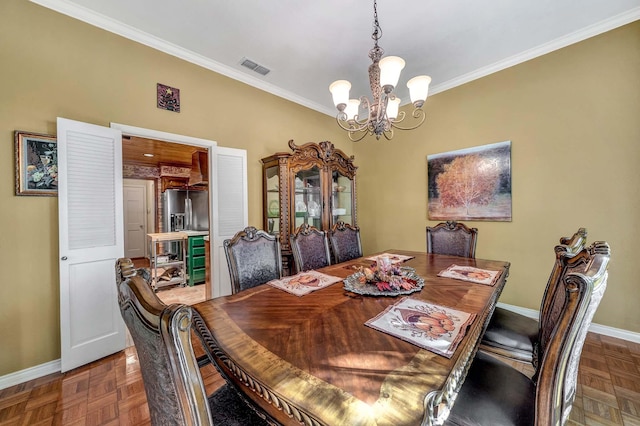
{"x": 199, "y": 169}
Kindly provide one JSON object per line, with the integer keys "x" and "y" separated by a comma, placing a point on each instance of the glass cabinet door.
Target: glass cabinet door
{"x": 272, "y": 200}
{"x": 307, "y": 203}
{"x": 341, "y": 199}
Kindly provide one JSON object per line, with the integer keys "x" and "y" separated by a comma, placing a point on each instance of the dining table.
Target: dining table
{"x": 312, "y": 359}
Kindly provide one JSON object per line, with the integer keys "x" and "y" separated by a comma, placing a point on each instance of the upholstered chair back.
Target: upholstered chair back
{"x": 563, "y": 335}
{"x": 345, "y": 242}
{"x": 310, "y": 248}
{"x": 557, "y": 294}
{"x": 253, "y": 257}
{"x": 567, "y": 260}
{"x": 496, "y": 393}
{"x": 515, "y": 336}
{"x": 452, "y": 238}
{"x": 162, "y": 336}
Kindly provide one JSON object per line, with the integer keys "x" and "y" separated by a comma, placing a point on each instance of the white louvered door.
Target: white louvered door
{"x": 230, "y": 211}
{"x": 91, "y": 238}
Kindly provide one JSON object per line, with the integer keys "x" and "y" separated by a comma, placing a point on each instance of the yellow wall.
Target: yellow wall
{"x": 573, "y": 117}
{"x": 54, "y": 66}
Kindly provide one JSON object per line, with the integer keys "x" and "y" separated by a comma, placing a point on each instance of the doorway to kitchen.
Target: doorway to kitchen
{"x": 156, "y": 174}
{"x": 228, "y": 195}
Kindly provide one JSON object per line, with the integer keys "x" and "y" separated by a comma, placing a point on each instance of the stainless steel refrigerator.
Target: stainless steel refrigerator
{"x": 185, "y": 210}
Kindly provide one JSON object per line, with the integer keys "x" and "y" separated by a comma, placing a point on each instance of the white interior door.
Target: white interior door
{"x": 230, "y": 210}
{"x": 135, "y": 218}
{"x": 90, "y": 240}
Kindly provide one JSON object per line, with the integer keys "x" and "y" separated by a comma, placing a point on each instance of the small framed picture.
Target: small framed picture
{"x": 36, "y": 164}
{"x": 168, "y": 97}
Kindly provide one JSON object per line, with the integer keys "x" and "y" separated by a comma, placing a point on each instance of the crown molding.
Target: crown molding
{"x": 98, "y": 20}
{"x": 101, "y": 21}
{"x": 559, "y": 43}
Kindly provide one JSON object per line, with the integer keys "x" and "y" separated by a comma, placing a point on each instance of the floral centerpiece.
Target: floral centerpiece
{"x": 384, "y": 278}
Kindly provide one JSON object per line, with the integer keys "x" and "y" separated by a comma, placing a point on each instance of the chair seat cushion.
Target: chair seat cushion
{"x": 228, "y": 408}
{"x": 511, "y": 334}
{"x": 495, "y": 394}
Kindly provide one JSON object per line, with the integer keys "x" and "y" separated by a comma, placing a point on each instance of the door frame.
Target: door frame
{"x": 144, "y": 184}
{"x": 210, "y": 145}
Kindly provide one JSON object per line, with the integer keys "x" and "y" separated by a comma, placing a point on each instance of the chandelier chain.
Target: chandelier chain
{"x": 377, "y": 30}
{"x": 376, "y": 53}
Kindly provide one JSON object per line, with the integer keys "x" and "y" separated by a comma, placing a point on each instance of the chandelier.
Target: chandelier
{"x": 382, "y": 115}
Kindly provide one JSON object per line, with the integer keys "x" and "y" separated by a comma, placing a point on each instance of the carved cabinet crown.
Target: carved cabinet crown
{"x": 313, "y": 184}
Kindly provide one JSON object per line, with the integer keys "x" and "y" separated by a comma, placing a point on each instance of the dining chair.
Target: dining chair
{"x": 494, "y": 393}
{"x": 172, "y": 381}
{"x": 125, "y": 268}
{"x": 513, "y": 335}
{"x": 310, "y": 248}
{"x": 345, "y": 241}
{"x": 253, "y": 257}
{"x": 452, "y": 238}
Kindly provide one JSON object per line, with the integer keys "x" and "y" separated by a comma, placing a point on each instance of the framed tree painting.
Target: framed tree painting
{"x": 471, "y": 184}
{"x": 36, "y": 158}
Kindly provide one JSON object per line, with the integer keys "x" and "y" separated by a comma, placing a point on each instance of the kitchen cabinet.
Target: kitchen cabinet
{"x": 173, "y": 182}
{"x": 314, "y": 184}
{"x": 196, "y": 263}
{"x": 167, "y": 269}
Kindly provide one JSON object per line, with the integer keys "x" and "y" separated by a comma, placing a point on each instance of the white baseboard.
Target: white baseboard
{"x": 41, "y": 370}
{"x": 32, "y": 373}
{"x": 596, "y": 328}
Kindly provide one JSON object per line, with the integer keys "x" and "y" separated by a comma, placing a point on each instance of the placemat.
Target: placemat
{"x": 471, "y": 274}
{"x": 304, "y": 282}
{"x": 436, "y": 328}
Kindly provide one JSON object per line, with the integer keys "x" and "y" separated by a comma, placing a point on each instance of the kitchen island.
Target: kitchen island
{"x": 161, "y": 264}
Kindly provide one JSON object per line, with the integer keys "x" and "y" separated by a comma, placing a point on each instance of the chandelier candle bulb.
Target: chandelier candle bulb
{"x": 393, "y": 107}
{"x": 352, "y": 109}
{"x": 419, "y": 89}
{"x": 390, "y": 68}
{"x": 340, "y": 91}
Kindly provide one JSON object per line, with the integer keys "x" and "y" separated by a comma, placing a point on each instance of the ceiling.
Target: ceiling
{"x": 164, "y": 153}
{"x": 309, "y": 44}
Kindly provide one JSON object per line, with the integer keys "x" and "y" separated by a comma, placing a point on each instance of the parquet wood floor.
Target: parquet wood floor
{"x": 110, "y": 391}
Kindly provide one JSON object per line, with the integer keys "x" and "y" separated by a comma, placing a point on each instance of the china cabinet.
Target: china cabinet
{"x": 314, "y": 184}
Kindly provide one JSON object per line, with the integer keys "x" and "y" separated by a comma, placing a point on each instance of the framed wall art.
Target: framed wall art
{"x": 36, "y": 158}
{"x": 471, "y": 184}
{"x": 168, "y": 97}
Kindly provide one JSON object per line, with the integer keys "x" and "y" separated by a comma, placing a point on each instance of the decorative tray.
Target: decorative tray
{"x": 366, "y": 282}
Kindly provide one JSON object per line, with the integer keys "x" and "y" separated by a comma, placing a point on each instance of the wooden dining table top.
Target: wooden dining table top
{"x": 312, "y": 360}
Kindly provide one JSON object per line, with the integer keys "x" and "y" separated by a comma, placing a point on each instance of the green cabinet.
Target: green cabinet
{"x": 196, "y": 260}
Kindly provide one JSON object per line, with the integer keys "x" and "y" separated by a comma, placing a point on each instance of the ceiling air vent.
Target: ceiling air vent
{"x": 254, "y": 67}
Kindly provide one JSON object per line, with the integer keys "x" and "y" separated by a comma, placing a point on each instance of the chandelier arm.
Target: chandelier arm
{"x": 418, "y": 114}
{"x": 363, "y": 132}
{"x": 349, "y": 127}
{"x": 366, "y": 105}
{"x": 355, "y": 124}
{"x": 388, "y": 134}
{"x": 400, "y": 118}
